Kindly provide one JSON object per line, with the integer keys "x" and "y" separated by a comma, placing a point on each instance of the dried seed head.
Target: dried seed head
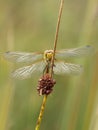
{"x": 45, "y": 85}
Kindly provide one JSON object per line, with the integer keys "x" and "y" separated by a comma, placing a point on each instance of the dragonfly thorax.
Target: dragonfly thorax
{"x": 48, "y": 54}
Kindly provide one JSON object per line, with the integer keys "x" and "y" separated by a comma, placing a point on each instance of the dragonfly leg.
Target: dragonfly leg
{"x": 46, "y": 69}
{"x": 53, "y": 67}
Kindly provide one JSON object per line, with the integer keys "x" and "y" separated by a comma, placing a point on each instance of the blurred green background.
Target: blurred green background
{"x": 29, "y": 25}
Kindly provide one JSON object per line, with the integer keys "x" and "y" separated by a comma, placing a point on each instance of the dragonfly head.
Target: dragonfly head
{"x": 48, "y": 54}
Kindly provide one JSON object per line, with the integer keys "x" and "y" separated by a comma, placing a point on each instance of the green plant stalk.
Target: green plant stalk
{"x": 7, "y": 97}
{"x": 8, "y": 89}
{"x": 41, "y": 113}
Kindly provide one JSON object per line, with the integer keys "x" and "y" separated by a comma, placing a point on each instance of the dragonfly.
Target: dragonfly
{"x": 41, "y": 61}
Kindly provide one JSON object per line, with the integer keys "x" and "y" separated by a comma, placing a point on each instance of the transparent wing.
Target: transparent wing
{"x": 22, "y": 57}
{"x": 75, "y": 52}
{"x": 26, "y": 72}
{"x": 67, "y": 68}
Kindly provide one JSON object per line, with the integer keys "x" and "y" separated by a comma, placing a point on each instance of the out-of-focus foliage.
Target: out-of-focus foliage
{"x": 29, "y": 25}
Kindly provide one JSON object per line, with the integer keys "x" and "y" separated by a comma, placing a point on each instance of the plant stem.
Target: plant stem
{"x": 51, "y": 73}
{"x": 56, "y": 34}
{"x": 41, "y": 113}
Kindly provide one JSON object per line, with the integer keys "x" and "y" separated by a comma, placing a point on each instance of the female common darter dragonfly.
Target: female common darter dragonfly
{"x": 38, "y": 61}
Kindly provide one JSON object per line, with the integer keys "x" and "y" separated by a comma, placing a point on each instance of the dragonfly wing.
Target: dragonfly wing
{"x": 75, "y": 52}
{"x": 28, "y": 71}
{"x": 22, "y": 57}
{"x": 67, "y": 68}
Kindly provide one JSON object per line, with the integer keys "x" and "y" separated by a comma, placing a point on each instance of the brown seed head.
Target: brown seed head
{"x": 45, "y": 85}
